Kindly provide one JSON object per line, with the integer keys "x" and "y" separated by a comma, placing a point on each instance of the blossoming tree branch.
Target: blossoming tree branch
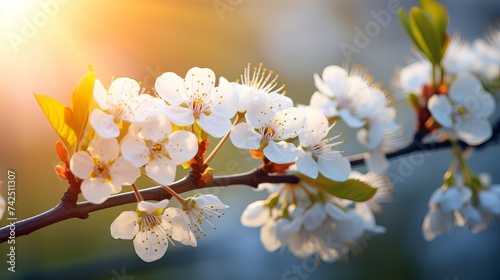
{"x": 112, "y": 136}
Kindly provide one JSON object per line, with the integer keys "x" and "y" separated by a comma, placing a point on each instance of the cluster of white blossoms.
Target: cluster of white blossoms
{"x": 137, "y": 130}
{"x": 361, "y": 104}
{"x": 462, "y": 106}
{"x": 453, "y": 206}
{"x": 458, "y": 103}
{"x": 272, "y": 123}
{"x": 152, "y": 227}
{"x": 308, "y": 220}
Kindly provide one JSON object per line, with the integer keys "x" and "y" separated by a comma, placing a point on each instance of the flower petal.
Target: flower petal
{"x": 104, "y": 124}
{"x": 151, "y": 245}
{"x": 256, "y": 214}
{"x": 451, "y": 199}
{"x": 436, "y": 223}
{"x": 123, "y": 172}
{"x": 215, "y": 124}
{"x": 149, "y": 207}
{"x": 182, "y": 146}
{"x": 292, "y": 120}
{"x": 351, "y": 120}
{"x": 157, "y": 129}
{"x": 281, "y": 152}
{"x": 209, "y": 200}
{"x": 334, "y": 77}
{"x": 473, "y": 131}
{"x": 465, "y": 86}
{"x": 414, "y": 76}
{"x": 123, "y": 89}
{"x": 268, "y": 236}
{"x": 225, "y": 100}
{"x": 104, "y": 149}
{"x": 180, "y": 231}
{"x": 306, "y": 165}
{"x": 441, "y": 109}
{"x": 181, "y": 116}
{"x": 199, "y": 80}
{"x": 490, "y": 201}
{"x": 314, "y": 216}
{"x": 125, "y": 226}
{"x": 162, "y": 170}
{"x": 324, "y": 104}
{"x": 96, "y": 190}
{"x": 376, "y": 161}
{"x": 81, "y": 164}
{"x": 135, "y": 150}
{"x": 245, "y": 95}
{"x": 170, "y": 87}
{"x": 335, "y": 169}
{"x": 243, "y": 136}
{"x": 100, "y": 95}
{"x": 334, "y": 211}
{"x": 260, "y": 112}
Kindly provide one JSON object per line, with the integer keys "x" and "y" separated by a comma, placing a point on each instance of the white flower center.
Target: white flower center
{"x": 269, "y": 130}
{"x": 344, "y": 102}
{"x": 198, "y": 214}
{"x": 151, "y": 226}
{"x": 100, "y": 170}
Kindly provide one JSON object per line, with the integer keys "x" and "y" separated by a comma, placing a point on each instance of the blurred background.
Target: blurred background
{"x": 46, "y": 45}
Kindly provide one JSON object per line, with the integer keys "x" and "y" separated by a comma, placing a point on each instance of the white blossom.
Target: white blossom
{"x": 317, "y": 153}
{"x": 465, "y": 109}
{"x": 103, "y": 172}
{"x": 269, "y": 129}
{"x": 195, "y": 99}
{"x": 448, "y": 208}
{"x": 151, "y": 229}
{"x": 458, "y": 57}
{"x": 339, "y": 94}
{"x": 159, "y": 149}
{"x": 122, "y": 102}
{"x": 200, "y": 208}
{"x": 260, "y": 83}
{"x": 413, "y": 77}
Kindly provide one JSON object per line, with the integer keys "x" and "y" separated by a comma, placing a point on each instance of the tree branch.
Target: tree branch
{"x": 68, "y": 209}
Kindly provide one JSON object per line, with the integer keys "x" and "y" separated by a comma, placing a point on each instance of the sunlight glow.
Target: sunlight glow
{"x": 12, "y": 10}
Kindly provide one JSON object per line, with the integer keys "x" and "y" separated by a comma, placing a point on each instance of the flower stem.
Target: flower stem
{"x": 174, "y": 194}
{"x": 138, "y": 195}
{"x": 221, "y": 142}
{"x": 167, "y": 188}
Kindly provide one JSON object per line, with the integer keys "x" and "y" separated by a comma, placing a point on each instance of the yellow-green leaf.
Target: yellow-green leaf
{"x": 420, "y": 20}
{"x": 405, "y": 21}
{"x": 351, "y": 189}
{"x": 413, "y": 100}
{"x": 81, "y": 100}
{"x": 54, "y": 111}
{"x": 439, "y": 14}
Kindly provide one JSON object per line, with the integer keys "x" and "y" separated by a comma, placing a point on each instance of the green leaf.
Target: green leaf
{"x": 81, "y": 100}
{"x": 413, "y": 100}
{"x": 405, "y": 21}
{"x": 55, "y": 111}
{"x": 425, "y": 33}
{"x": 439, "y": 14}
{"x": 351, "y": 189}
